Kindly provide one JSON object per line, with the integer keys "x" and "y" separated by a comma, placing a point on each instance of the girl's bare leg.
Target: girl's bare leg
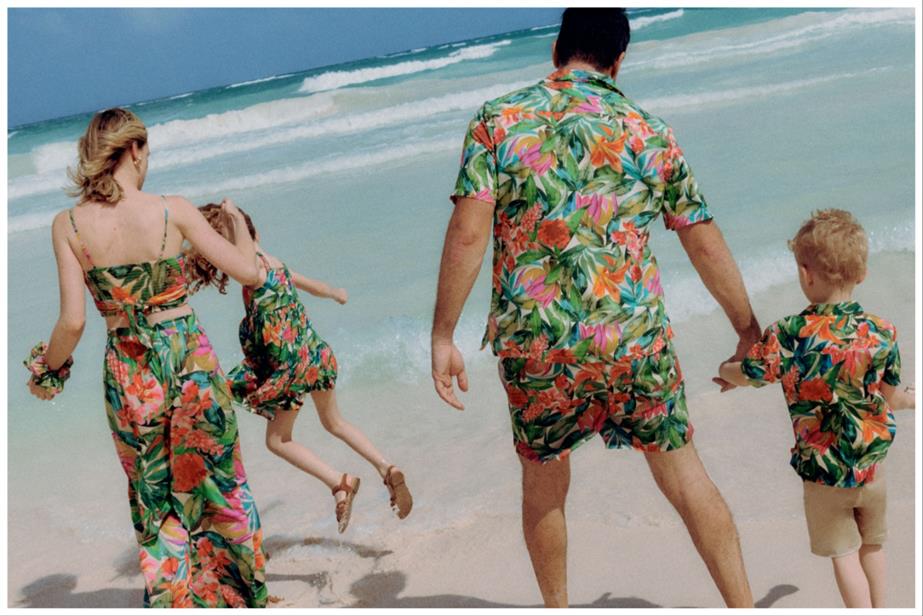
{"x": 333, "y": 422}
{"x": 279, "y": 441}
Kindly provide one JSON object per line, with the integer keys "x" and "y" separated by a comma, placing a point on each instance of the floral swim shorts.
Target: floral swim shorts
{"x": 636, "y": 401}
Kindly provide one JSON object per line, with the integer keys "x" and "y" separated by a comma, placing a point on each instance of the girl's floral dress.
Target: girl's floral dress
{"x": 284, "y": 358}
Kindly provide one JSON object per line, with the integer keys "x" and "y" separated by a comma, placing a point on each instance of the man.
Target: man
{"x": 569, "y": 175}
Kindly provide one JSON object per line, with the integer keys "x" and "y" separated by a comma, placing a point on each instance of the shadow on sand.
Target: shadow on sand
{"x": 381, "y": 590}
{"x": 378, "y": 590}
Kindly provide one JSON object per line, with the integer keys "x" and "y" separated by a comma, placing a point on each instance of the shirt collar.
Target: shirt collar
{"x": 581, "y": 76}
{"x": 837, "y": 309}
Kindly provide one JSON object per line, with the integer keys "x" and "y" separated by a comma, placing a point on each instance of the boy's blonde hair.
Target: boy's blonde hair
{"x": 832, "y": 243}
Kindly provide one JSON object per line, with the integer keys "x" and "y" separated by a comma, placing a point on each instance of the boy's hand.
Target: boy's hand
{"x": 725, "y": 385}
{"x": 340, "y": 296}
{"x": 730, "y": 376}
{"x": 746, "y": 339}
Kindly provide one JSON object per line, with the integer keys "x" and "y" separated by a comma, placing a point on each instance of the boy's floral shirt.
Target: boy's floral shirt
{"x": 577, "y": 173}
{"x": 832, "y": 360}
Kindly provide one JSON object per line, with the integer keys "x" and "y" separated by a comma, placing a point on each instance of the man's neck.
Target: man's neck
{"x": 576, "y": 65}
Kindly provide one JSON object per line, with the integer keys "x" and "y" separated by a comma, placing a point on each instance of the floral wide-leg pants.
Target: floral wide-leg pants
{"x": 175, "y": 433}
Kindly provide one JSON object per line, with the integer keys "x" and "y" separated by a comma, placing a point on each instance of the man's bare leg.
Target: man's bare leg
{"x": 544, "y": 490}
{"x": 683, "y": 480}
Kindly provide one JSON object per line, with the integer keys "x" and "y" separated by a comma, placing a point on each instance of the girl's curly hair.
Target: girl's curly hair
{"x": 199, "y": 271}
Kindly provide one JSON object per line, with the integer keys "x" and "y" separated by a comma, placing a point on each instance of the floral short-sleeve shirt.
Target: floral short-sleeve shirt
{"x": 831, "y": 360}
{"x": 577, "y": 173}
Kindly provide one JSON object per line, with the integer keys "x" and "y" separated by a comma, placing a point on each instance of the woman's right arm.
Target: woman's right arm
{"x": 237, "y": 260}
{"x": 72, "y": 316}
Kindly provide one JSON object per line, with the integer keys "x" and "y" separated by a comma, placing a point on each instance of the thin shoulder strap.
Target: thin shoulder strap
{"x": 83, "y": 247}
{"x": 166, "y": 218}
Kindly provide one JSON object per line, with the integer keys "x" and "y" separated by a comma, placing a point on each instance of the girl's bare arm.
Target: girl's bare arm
{"x": 319, "y": 289}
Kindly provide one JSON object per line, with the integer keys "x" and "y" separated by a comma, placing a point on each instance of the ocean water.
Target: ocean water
{"x": 346, "y": 171}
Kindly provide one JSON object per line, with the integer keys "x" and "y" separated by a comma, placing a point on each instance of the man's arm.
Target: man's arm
{"x": 466, "y": 241}
{"x": 712, "y": 259}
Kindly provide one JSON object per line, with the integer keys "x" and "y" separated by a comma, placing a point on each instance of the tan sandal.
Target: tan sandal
{"x": 401, "y": 500}
{"x": 345, "y": 507}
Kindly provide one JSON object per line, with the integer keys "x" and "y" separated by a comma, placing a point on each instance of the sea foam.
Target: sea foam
{"x": 332, "y": 80}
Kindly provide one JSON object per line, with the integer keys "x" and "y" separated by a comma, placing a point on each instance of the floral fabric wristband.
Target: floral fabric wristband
{"x": 42, "y": 375}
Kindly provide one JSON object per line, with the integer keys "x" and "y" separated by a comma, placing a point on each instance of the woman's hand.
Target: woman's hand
{"x": 340, "y": 296}
{"x": 40, "y": 392}
{"x": 230, "y": 208}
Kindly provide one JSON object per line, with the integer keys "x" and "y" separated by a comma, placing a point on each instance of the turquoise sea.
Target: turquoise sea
{"x": 347, "y": 169}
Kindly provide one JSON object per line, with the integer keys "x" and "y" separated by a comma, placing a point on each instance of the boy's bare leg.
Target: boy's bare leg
{"x": 872, "y": 559}
{"x": 851, "y": 580}
{"x": 544, "y": 490}
{"x": 683, "y": 480}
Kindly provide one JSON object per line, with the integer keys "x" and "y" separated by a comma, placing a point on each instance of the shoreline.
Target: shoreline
{"x": 462, "y": 545}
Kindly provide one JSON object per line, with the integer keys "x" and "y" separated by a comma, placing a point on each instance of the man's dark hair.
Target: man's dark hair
{"x": 592, "y": 35}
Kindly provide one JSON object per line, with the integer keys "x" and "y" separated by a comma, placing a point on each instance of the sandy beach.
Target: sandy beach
{"x": 346, "y": 170}
{"x": 462, "y": 545}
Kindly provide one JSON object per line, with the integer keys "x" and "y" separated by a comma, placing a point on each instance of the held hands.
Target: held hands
{"x": 747, "y": 339}
{"x": 448, "y": 363}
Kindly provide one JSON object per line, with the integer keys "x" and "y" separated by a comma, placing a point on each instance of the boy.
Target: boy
{"x": 840, "y": 368}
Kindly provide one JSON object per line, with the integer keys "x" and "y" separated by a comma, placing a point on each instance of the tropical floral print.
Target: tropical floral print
{"x": 577, "y": 173}
{"x": 169, "y": 409}
{"x": 43, "y": 376}
{"x": 284, "y": 358}
{"x": 637, "y": 401}
{"x": 136, "y": 290}
{"x": 831, "y": 360}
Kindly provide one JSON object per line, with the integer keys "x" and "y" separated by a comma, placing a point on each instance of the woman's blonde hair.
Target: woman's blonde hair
{"x": 833, "y": 243}
{"x": 199, "y": 271}
{"x": 109, "y": 135}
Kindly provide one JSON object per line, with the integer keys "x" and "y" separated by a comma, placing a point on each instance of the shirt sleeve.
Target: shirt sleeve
{"x": 683, "y": 204}
{"x": 892, "y": 372}
{"x": 477, "y": 175}
{"x": 763, "y": 363}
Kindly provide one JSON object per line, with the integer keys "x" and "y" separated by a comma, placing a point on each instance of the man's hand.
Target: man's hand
{"x": 448, "y": 363}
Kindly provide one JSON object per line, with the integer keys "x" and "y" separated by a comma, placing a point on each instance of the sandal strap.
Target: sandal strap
{"x": 387, "y": 480}
{"x": 343, "y": 486}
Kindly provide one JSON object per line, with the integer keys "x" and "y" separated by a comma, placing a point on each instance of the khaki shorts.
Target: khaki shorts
{"x": 841, "y": 520}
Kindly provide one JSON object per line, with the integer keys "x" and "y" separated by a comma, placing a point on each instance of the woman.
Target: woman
{"x": 167, "y": 400}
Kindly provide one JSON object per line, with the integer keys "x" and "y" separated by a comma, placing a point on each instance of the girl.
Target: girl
{"x": 284, "y": 359}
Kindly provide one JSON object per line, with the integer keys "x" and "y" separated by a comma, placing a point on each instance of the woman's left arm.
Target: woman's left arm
{"x": 50, "y": 364}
